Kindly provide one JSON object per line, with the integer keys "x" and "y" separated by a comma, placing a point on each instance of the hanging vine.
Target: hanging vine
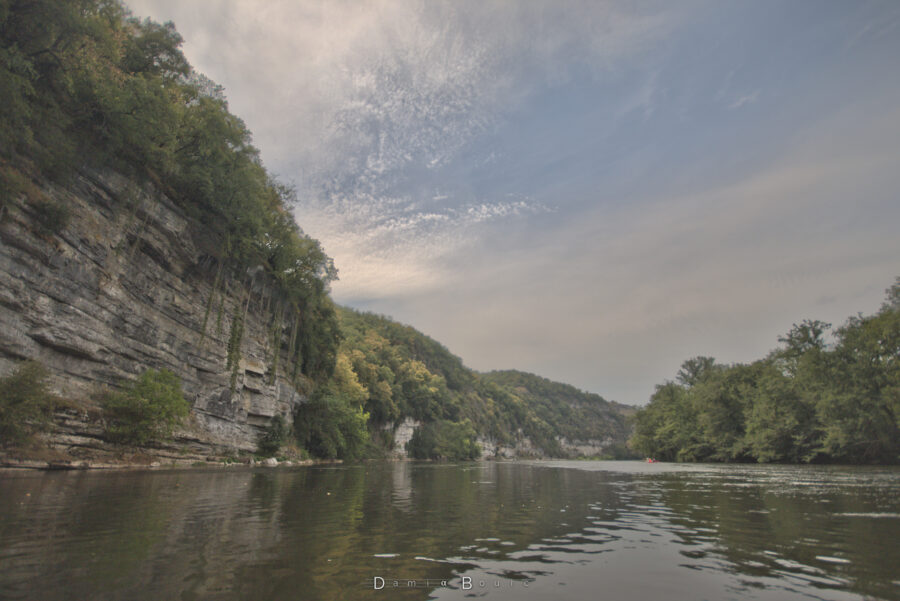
{"x": 293, "y": 338}
{"x": 209, "y": 303}
{"x": 133, "y": 202}
{"x": 269, "y": 295}
{"x": 219, "y": 316}
{"x": 237, "y": 335}
{"x": 277, "y": 329}
{"x": 138, "y": 237}
{"x": 298, "y": 356}
{"x": 233, "y": 360}
{"x": 224, "y": 290}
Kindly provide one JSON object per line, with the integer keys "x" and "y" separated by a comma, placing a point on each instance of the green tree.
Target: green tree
{"x": 778, "y": 420}
{"x": 276, "y": 435}
{"x": 145, "y": 409}
{"x": 454, "y": 441}
{"x": 695, "y": 369}
{"x": 330, "y": 427}
{"x": 860, "y": 410}
{"x": 26, "y": 405}
{"x": 803, "y": 339}
{"x": 333, "y": 423}
{"x": 666, "y": 429}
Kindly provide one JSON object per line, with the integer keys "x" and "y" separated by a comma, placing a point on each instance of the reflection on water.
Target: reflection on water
{"x": 561, "y": 530}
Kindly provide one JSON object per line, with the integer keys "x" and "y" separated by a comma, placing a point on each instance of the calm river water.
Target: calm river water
{"x": 542, "y": 530}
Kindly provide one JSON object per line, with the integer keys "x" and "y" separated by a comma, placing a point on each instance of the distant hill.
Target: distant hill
{"x": 575, "y": 414}
{"x": 408, "y": 375}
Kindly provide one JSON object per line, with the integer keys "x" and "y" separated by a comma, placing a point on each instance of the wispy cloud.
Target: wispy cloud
{"x": 881, "y": 25}
{"x": 744, "y": 99}
{"x": 375, "y": 101}
{"x": 391, "y": 253}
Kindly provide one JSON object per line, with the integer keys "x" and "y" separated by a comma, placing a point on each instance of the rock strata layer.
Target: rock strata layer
{"x": 124, "y": 287}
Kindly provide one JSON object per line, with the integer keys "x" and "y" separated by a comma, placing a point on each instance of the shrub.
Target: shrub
{"x": 423, "y": 444}
{"x": 274, "y": 437}
{"x": 329, "y": 426}
{"x": 52, "y": 216}
{"x": 26, "y": 405}
{"x": 12, "y": 183}
{"x": 445, "y": 440}
{"x": 146, "y": 409}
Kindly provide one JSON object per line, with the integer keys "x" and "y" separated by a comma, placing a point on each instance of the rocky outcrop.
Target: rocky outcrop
{"x": 525, "y": 448}
{"x": 402, "y": 434}
{"x": 125, "y": 286}
{"x": 584, "y": 448}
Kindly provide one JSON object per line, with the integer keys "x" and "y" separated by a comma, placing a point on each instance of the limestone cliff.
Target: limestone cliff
{"x": 123, "y": 287}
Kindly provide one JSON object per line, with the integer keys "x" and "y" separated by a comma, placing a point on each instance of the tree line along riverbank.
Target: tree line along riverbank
{"x": 824, "y": 395}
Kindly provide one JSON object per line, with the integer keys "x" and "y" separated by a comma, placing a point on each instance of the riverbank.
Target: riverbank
{"x": 101, "y": 455}
{"x": 7, "y": 465}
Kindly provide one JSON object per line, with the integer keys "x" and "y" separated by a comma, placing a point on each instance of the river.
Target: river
{"x": 613, "y": 531}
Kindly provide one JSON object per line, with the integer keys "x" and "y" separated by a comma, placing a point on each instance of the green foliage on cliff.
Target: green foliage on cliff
{"x": 333, "y": 424}
{"x": 86, "y": 86}
{"x": 806, "y": 401}
{"x": 52, "y": 216}
{"x": 330, "y": 427}
{"x": 26, "y": 405}
{"x": 389, "y": 362}
{"x": 146, "y": 409}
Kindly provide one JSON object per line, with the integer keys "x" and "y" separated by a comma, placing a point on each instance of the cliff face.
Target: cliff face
{"x": 125, "y": 286}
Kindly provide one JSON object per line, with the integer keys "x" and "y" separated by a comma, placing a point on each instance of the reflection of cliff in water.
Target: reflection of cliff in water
{"x": 402, "y": 491}
{"x": 127, "y": 533}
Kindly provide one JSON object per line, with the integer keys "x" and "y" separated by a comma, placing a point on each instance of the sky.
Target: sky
{"x": 590, "y": 191}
